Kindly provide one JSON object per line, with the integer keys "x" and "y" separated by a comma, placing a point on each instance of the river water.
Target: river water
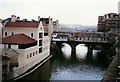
{"x": 59, "y": 68}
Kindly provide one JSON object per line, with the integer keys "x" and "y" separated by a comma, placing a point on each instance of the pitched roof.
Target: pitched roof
{"x": 18, "y": 39}
{"x": 27, "y": 24}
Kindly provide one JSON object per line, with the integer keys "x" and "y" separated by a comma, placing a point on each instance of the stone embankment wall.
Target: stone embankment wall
{"x": 112, "y": 71}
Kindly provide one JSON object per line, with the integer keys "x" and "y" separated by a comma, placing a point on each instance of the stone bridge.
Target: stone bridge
{"x": 83, "y": 37}
{"x": 88, "y": 38}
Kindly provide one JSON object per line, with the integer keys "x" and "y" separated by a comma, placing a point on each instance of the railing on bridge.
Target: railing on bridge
{"x": 59, "y": 38}
{"x": 98, "y": 37}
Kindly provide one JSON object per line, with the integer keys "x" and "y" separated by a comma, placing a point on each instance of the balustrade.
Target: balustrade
{"x": 83, "y": 37}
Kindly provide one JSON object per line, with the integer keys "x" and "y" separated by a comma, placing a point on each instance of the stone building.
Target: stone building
{"x": 109, "y": 23}
{"x": 29, "y": 40}
{"x": 56, "y": 26}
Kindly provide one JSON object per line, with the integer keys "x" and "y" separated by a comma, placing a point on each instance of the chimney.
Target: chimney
{"x": 32, "y": 20}
{"x": 18, "y": 18}
{"x": 24, "y": 20}
{"x": 38, "y": 18}
{"x": 13, "y": 18}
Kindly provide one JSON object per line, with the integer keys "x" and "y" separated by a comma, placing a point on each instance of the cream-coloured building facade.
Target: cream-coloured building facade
{"x": 32, "y": 55}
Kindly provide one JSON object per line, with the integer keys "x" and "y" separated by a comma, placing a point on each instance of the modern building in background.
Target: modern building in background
{"x": 25, "y": 45}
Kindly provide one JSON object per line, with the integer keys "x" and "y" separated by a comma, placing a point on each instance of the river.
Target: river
{"x": 58, "y": 68}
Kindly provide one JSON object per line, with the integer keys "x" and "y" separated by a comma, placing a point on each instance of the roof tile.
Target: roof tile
{"x": 26, "y": 24}
{"x": 18, "y": 39}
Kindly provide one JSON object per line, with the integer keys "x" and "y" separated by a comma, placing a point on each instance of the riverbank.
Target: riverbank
{"x": 59, "y": 68}
{"x": 112, "y": 70}
{"x": 33, "y": 68}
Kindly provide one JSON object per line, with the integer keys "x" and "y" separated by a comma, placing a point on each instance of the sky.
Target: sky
{"x": 83, "y": 12}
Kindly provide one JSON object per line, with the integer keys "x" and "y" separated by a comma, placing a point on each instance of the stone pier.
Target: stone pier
{"x": 73, "y": 46}
{"x": 89, "y": 53}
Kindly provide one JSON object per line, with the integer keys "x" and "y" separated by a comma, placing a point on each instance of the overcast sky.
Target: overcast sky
{"x": 83, "y": 12}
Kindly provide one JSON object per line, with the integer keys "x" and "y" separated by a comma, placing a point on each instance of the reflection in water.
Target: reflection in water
{"x": 95, "y": 54}
{"x": 76, "y": 71}
{"x": 81, "y": 51}
{"x": 66, "y": 49}
{"x": 59, "y": 69}
{"x": 42, "y": 73}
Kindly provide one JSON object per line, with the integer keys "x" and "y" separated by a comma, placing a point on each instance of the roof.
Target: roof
{"x": 18, "y": 39}
{"x": 21, "y": 24}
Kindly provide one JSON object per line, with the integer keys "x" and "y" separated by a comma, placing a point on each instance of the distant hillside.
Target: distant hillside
{"x": 76, "y": 28}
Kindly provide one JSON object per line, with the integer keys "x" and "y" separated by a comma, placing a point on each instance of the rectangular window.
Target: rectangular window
{"x": 80, "y": 38}
{"x": 12, "y": 33}
{"x": 5, "y": 33}
{"x": 40, "y": 35}
{"x": 45, "y": 34}
{"x": 36, "y": 52}
{"x": 9, "y": 46}
{"x": 27, "y": 56}
{"x": 40, "y": 42}
{"x": 40, "y": 50}
{"x": 33, "y": 53}
{"x": 47, "y": 22}
{"x": 30, "y": 54}
{"x": 88, "y": 38}
{"x": 31, "y": 34}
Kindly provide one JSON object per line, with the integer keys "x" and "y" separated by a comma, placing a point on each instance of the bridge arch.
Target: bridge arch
{"x": 81, "y": 51}
{"x": 88, "y": 38}
{"x": 66, "y": 50}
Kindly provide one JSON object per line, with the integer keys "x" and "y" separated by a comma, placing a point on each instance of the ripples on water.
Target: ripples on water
{"x": 66, "y": 49}
{"x": 81, "y": 52}
{"x": 60, "y": 69}
{"x": 77, "y": 71}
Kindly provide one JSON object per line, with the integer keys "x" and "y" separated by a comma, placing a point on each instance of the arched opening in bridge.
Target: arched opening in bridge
{"x": 99, "y": 56}
{"x": 81, "y": 51}
{"x": 89, "y": 53}
{"x": 66, "y": 50}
